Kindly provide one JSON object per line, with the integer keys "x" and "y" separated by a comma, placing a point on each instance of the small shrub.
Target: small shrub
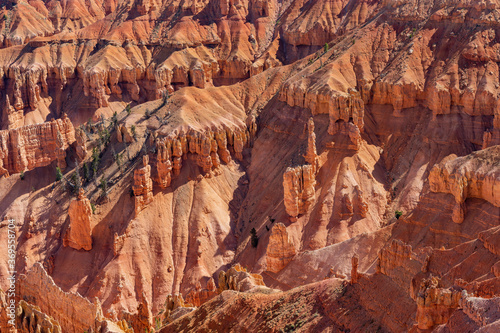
{"x": 132, "y": 129}
{"x": 86, "y": 171}
{"x": 114, "y": 119}
{"x": 76, "y": 181}
{"x": 128, "y": 109}
{"x": 21, "y": 175}
{"x": 157, "y": 324}
{"x": 104, "y": 186}
{"x": 254, "y": 238}
{"x": 326, "y": 47}
{"x": 148, "y": 114}
{"x": 59, "y": 174}
{"x": 398, "y": 214}
{"x": 95, "y": 161}
{"x": 93, "y": 207}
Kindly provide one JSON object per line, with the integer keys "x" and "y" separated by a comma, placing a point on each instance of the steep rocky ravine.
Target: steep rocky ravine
{"x": 251, "y": 165}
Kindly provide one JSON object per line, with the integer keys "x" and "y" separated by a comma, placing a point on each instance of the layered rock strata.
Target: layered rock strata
{"x": 473, "y": 176}
{"x": 435, "y": 305}
{"x": 209, "y": 148}
{"x": 237, "y": 278}
{"x": 298, "y": 186}
{"x": 32, "y": 320}
{"x": 33, "y": 146}
{"x": 143, "y": 185}
{"x": 60, "y": 305}
{"x": 200, "y": 295}
{"x": 79, "y": 233}
{"x": 280, "y": 250}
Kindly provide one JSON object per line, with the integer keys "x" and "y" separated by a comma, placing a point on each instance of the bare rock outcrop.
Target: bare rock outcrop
{"x": 200, "y": 295}
{"x": 435, "y": 305}
{"x": 143, "y": 185}
{"x": 280, "y": 250}
{"x": 175, "y": 306}
{"x": 298, "y": 185}
{"x": 393, "y": 256}
{"x": 237, "y": 278}
{"x": 79, "y": 233}
{"x": 354, "y": 269}
{"x": 60, "y": 305}
{"x": 33, "y": 146}
{"x": 208, "y": 148}
{"x": 32, "y": 320}
{"x": 311, "y": 155}
{"x": 474, "y": 176}
{"x": 163, "y": 164}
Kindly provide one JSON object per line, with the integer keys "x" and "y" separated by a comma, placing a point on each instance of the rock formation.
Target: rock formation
{"x": 176, "y": 307}
{"x": 474, "y": 176}
{"x": 237, "y": 278}
{"x": 198, "y": 296}
{"x": 33, "y": 320}
{"x": 143, "y": 185}
{"x": 79, "y": 233}
{"x": 280, "y": 250}
{"x": 311, "y": 155}
{"x": 435, "y": 305}
{"x": 33, "y": 146}
{"x": 163, "y": 164}
{"x": 298, "y": 186}
{"x": 354, "y": 270}
{"x": 59, "y": 305}
{"x": 392, "y": 87}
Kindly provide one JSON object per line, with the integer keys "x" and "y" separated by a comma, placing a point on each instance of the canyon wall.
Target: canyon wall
{"x": 33, "y": 146}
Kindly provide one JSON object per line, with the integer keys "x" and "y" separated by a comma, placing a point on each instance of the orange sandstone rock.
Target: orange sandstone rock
{"x": 280, "y": 250}
{"x": 298, "y": 185}
{"x": 79, "y": 233}
{"x": 143, "y": 185}
{"x": 473, "y": 176}
{"x": 33, "y": 146}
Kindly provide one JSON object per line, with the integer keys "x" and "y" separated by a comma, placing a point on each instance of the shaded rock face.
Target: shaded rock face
{"x": 143, "y": 185}
{"x": 79, "y": 233}
{"x": 280, "y": 250}
{"x": 473, "y": 176}
{"x": 33, "y": 146}
{"x": 59, "y": 305}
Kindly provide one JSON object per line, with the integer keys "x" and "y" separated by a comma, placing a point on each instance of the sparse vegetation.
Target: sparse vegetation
{"x": 253, "y": 238}
{"x": 398, "y": 214}
{"x": 114, "y": 119}
{"x": 412, "y": 33}
{"x": 93, "y": 207}
{"x": 157, "y": 323}
{"x": 164, "y": 99}
{"x": 134, "y": 134}
{"x": 21, "y": 175}
{"x": 104, "y": 186}
{"x": 326, "y": 47}
{"x": 86, "y": 172}
{"x": 76, "y": 181}
{"x": 148, "y": 113}
{"x": 128, "y": 109}
{"x": 95, "y": 161}
{"x": 59, "y": 174}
